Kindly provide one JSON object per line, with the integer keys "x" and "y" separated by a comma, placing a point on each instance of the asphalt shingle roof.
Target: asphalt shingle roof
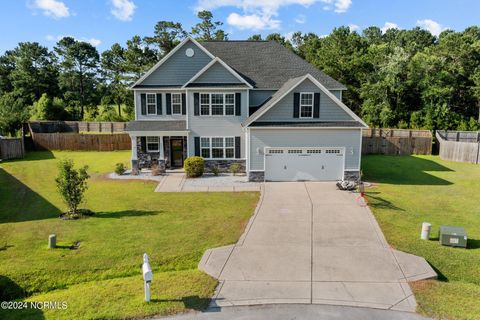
{"x": 266, "y": 64}
{"x": 171, "y": 125}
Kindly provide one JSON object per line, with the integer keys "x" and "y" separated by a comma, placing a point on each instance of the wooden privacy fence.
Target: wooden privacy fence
{"x": 396, "y": 141}
{"x": 460, "y": 146}
{"x": 75, "y": 126}
{"x": 11, "y": 148}
{"x": 78, "y": 141}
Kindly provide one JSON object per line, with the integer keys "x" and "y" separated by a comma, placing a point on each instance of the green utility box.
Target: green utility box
{"x": 453, "y": 236}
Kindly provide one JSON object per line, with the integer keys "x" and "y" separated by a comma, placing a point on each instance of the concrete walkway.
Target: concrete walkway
{"x": 177, "y": 182}
{"x": 310, "y": 243}
{"x": 297, "y": 312}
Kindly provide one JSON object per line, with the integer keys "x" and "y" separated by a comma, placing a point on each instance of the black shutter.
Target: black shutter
{"x": 159, "y": 103}
{"x": 196, "y": 104}
{"x": 238, "y": 104}
{"x": 169, "y": 103}
{"x": 296, "y": 104}
{"x": 316, "y": 105}
{"x": 197, "y": 146}
{"x": 143, "y": 103}
{"x": 143, "y": 144}
{"x": 237, "y": 147}
{"x": 184, "y": 103}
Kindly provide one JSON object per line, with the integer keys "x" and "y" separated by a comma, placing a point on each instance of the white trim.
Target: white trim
{"x": 160, "y": 89}
{"x": 183, "y": 133}
{"x": 159, "y": 63}
{"x": 135, "y": 105}
{"x": 305, "y": 105}
{"x": 247, "y": 148}
{"x": 351, "y": 170}
{"x": 305, "y": 128}
{"x": 211, "y": 63}
{"x": 321, "y": 87}
{"x": 360, "y": 150}
{"x": 134, "y": 147}
{"x": 224, "y": 147}
{"x": 186, "y": 113}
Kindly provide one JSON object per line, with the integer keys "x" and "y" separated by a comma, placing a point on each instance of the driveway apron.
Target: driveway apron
{"x": 311, "y": 243}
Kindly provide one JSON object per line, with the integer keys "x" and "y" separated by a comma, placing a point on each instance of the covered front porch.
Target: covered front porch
{"x": 164, "y": 148}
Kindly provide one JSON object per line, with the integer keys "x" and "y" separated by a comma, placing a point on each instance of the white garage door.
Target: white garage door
{"x": 300, "y": 164}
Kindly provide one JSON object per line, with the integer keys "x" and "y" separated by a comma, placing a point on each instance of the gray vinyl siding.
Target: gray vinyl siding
{"x": 348, "y": 138}
{"x": 257, "y": 97}
{"x": 337, "y": 93}
{"x": 179, "y": 68}
{"x": 164, "y": 116}
{"x": 216, "y": 126}
{"x": 283, "y": 109}
{"x": 217, "y": 74}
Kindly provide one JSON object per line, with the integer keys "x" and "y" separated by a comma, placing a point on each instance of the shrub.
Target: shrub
{"x": 120, "y": 169}
{"x": 215, "y": 170}
{"x": 235, "y": 168}
{"x": 194, "y": 166}
{"x": 156, "y": 170}
{"x": 71, "y": 185}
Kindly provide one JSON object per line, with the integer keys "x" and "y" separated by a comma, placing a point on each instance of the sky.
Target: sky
{"x": 104, "y": 22}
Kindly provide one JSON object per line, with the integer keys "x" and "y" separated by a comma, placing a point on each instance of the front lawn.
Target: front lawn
{"x": 102, "y": 278}
{"x": 414, "y": 189}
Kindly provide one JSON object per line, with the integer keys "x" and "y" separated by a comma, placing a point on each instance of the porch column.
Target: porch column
{"x": 134, "y": 148}
{"x": 162, "y": 157}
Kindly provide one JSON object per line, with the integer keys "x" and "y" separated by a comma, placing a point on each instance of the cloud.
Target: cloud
{"x": 434, "y": 27}
{"x": 93, "y": 41}
{"x": 389, "y": 25}
{"x": 339, "y": 6}
{"x": 354, "y": 27}
{"x": 252, "y": 22}
{"x": 301, "y": 19}
{"x": 263, "y": 14}
{"x": 52, "y": 8}
{"x": 123, "y": 9}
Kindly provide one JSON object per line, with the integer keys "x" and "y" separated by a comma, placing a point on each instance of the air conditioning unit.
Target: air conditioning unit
{"x": 453, "y": 236}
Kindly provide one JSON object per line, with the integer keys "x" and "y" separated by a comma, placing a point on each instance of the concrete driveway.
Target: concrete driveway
{"x": 310, "y": 243}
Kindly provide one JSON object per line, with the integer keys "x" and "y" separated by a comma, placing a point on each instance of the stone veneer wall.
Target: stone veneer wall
{"x": 351, "y": 175}
{"x": 224, "y": 165}
{"x": 147, "y": 159}
{"x": 256, "y": 176}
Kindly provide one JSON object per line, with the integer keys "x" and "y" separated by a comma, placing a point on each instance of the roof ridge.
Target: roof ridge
{"x": 220, "y": 41}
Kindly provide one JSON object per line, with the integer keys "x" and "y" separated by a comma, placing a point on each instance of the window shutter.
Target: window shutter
{"x": 196, "y": 104}
{"x": 143, "y": 144}
{"x": 159, "y": 103}
{"x": 237, "y": 147}
{"x": 184, "y": 103}
{"x": 169, "y": 103}
{"x": 296, "y": 104}
{"x": 197, "y": 146}
{"x": 238, "y": 104}
{"x": 316, "y": 105}
{"x": 143, "y": 103}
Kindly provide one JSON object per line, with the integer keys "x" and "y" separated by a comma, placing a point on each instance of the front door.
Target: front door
{"x": 176, "y": 147}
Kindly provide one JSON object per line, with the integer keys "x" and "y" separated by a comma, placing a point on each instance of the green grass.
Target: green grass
{"x": 415, "y": 189}
{"x": 102, "y": 278}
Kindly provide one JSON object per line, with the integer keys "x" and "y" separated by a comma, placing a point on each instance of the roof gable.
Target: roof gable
{"x": 344, "y": 113}
{"x": 176, "y": 68}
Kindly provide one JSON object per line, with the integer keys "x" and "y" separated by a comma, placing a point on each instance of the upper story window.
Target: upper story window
{"x": 176, "y": 103}
{"x": 217, "y": 104}
{"x": 306, "y": 105}
{"x": 151, "y": 103}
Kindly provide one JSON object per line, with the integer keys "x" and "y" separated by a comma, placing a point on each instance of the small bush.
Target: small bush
{"x": 215, "y": 170}
{"x": 71, "y": 185}
{"x": 156, "y": 170}
{"x": 120, "y": 169}
{"x": 235, "y": 168}
{"x": 194, "y": 166}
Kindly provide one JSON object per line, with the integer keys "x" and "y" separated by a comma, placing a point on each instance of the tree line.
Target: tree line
{"x": 397, "y": 78}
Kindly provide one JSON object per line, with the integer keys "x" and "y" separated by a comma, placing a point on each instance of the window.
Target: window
{"x": 217, "y": 147}
{"x": 153, "y": 144}
{"x": 217, "y": 104}
{"x": 205, "y": 104}
{"x": 306, "y": 105}
{"x": 176, "y": 103}
{"x": 151, "y": 103}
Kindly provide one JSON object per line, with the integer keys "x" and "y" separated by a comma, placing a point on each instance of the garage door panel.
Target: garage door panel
{"x": 304, "y": 164}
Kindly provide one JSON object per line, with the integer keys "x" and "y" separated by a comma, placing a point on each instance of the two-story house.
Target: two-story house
{"x": 249, "y": 102}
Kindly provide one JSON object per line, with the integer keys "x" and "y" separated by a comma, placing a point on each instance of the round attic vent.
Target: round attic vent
{"x": 189, "y": 52}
